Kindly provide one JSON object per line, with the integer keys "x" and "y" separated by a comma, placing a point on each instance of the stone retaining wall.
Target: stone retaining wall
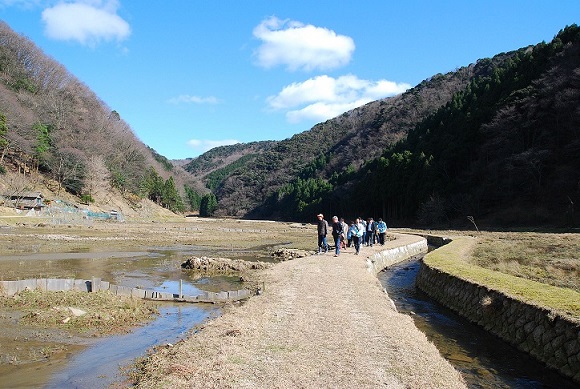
{"x": 10, "y": 288}
{"x": 552, "y": 338}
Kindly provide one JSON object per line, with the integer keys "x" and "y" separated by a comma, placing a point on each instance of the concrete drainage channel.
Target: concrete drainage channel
{"x": 483, "y": 359}
{"x": 390, "y": 260}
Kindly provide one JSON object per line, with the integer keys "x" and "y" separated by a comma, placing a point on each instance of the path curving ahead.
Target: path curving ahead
{"x": 321, "y": 322}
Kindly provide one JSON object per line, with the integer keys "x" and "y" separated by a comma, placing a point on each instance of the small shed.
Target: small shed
{"x": 29, "y": 200}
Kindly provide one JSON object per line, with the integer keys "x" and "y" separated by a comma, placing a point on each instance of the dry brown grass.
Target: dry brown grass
{"x": 455, "y": 258}
{"x": 322, "y": 322}
{"x": 105, "y": 313}
{"x": 272, "y": 334}
{"x": 548, "y": 258}
{"x": 552, "y": 259}
{"x": 44, "y": 237}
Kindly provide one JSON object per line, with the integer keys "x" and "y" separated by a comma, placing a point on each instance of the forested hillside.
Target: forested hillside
{"x": 496, "y": 141}
{"x": 218, "y": 163}
{"x": 54, "y": 125}
{"x": 333, "y": 148}
{"x": 505, "y": 150}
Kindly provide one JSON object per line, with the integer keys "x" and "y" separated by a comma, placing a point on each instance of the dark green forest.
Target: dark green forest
{"x": 507, "y": 148}
{"x": 504, "y": 150}
{"x": 287, "y": 181}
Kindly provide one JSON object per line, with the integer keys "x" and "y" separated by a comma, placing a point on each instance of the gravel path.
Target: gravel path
{"x": 321, "y": 322}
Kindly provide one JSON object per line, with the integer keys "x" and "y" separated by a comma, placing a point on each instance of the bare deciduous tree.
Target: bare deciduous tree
{"x": 68, "y": 168}
{"x": 97, "y": 180}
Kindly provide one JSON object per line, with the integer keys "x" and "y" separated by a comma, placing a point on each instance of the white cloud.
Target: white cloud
{"x": 193, "y": 99}
{"x": 203, "y": 145}
{"x": 325, "y": 97}
{"x": 23, "y": 4}
{"x": 87, "y": 22}
{"x": 299, "y": 46}
{"x": 321, "y": 111}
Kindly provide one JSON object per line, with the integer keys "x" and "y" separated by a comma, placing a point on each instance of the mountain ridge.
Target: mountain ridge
{"x": 54, "y": 125}
{"x": 336, "y": 166}
{"x": 429, "y": 155}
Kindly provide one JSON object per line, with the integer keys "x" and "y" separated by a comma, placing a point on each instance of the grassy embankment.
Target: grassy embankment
{"x": 541, "y": 269}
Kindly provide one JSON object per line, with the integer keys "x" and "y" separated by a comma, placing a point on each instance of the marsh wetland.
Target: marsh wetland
{"x": 39, "y": 349}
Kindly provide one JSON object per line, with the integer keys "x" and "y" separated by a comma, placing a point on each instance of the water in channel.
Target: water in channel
{"x": 484, "y": 360}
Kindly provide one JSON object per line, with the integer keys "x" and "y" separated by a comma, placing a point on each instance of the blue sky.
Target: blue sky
{"x": 188, "y": 75}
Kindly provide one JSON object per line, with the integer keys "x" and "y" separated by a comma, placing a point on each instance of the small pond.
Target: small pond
{"x": 99, "y": 363}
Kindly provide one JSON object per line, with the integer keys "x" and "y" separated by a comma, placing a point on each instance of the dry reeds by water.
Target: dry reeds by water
{"x": 99, "y": 313}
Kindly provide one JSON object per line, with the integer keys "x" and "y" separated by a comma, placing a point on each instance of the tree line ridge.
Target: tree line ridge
{"x": 496, "y": 140}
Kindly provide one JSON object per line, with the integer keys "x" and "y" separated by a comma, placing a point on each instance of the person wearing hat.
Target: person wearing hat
{"x": 322, "y": 232}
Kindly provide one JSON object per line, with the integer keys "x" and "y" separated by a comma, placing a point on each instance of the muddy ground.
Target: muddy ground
{"x": 323, "y": 321}
{"x": 36, "y": 235}
{"x": 36, "y": 247}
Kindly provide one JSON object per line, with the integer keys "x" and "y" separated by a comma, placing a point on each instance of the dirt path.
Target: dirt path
{"x": 321, "y": 322}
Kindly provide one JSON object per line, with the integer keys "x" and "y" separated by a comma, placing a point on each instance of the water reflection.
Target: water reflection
{"x": 147, "y": 268}
{"x": 484, "y": 360}
{"x": 156, "y": 268}
{"x": 99, "y": 365}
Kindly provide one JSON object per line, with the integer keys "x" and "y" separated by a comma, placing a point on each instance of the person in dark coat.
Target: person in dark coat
{"x": 322, "y": 232}
{"x": 371, "y": 229}
{"x": 336, "y": 234}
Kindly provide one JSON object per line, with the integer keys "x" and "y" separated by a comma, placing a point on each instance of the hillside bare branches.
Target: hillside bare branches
{"x": 60, "y": 127}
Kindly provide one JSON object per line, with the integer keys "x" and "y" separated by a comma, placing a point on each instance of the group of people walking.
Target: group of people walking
{"x": 359, "y": 232}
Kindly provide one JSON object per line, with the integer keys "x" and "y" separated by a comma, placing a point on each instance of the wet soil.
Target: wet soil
{"x": 134, "y": 254}
{"x": 322, "y": 321}
{"x": 107, "y": 361}
{"x": 30, "y": 355}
